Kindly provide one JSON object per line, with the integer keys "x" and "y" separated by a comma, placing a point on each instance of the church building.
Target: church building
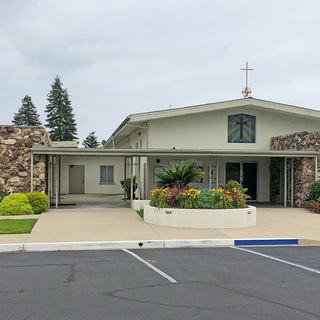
{"x": 237, "y": 139}
{"x": 270, "y": 148}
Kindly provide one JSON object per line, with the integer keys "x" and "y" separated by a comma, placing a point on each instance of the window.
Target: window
{"x": 241, "y": 128}
{"x": 106, "y": 174}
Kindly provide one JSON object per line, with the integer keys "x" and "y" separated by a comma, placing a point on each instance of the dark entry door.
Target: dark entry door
{"x": 250, "y": 179}
{"x": 246, "y": 173}
{"x": 76, "y": 179}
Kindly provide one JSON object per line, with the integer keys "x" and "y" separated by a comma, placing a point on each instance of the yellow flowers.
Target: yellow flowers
{"x": 176, "y": 197}
{"x": 225, "y": 197}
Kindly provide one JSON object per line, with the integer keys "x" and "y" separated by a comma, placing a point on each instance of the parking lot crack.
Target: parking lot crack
{"x": 305, "y": 312}
{"x": 71, "y": 274}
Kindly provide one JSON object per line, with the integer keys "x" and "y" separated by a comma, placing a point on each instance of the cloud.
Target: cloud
{"x": 121, "y": 57}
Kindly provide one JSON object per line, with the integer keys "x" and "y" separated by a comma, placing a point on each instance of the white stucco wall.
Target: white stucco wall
{"x": 209, "y": 130}
{"x": 263, "y": 178}
{"x": 137, "y": 138}
{"x": 92, "y": 174}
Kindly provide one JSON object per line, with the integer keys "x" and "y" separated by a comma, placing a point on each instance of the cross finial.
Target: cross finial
{"x": 246, "y": 92}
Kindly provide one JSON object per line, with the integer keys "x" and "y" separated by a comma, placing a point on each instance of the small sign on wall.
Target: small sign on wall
{"x": 213, "y": 175}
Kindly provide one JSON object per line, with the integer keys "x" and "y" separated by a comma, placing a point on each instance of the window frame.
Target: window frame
{"x": 107, "y": 176}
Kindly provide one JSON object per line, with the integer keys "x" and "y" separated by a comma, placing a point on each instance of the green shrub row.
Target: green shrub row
{"x": 23, "y": 204}
{"x": 230, "y": 196}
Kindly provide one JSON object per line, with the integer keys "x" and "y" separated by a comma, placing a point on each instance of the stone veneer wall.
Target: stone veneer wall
{"x": 304, "y": 167}
{"x": 15, "y": 158}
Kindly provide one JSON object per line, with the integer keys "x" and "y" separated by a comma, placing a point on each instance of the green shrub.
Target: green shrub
{"x": 176, "y": 197}
{"x": 3, "y": 194}
{"x": 187, "y": 197}
{"x": 128, "y": 186}
{"x": 315, "y": 190}
{"x": 181, "y": 173}
{"x": 15, "y": 204}
{"x": 232, "y": 184}
{"x": 206, "y": 198}
{"x": 38, "y": 201}
{"x": 230, "y": 196}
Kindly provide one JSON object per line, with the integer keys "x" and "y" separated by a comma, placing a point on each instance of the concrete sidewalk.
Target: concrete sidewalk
{"x": 83, "y": 225}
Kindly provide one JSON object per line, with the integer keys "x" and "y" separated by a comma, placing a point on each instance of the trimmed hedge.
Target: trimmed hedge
{"x": 15, "y": 204}
{"x": 38, "y": 201}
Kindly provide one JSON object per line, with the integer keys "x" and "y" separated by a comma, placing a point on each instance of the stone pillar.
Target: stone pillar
{"x": 15, "y": 158}
{"x": 304, "y": 167}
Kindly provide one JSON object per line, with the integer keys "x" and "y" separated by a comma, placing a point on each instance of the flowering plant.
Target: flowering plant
{"x": 314, "y": 205}
{"x": 176, "y": 197}
{"x": 230, "y": 196}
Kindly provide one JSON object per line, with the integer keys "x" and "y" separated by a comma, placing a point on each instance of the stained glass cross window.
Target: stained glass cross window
{"x": 241, "y": 128}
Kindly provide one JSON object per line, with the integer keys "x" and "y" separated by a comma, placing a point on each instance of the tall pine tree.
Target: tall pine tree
{"x": 60, "y": 118}
{"x": 27, "y": 114}
{"x": 91, "y": 141}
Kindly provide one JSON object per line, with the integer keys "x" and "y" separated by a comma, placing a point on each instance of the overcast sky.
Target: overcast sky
{"x": 118, "y": 57}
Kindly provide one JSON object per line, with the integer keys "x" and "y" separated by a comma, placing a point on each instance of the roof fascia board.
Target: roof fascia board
{"x": 278, "y": 107}
{"x": 170, "y": 152}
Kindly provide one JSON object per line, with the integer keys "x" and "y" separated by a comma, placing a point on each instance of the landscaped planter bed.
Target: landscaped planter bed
{"x": 201, "y": 218}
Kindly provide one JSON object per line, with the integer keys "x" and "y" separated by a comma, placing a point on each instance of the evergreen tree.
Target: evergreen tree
{"x": 91, "y": 141}
{"x": 60, "y": 118}
{"x": 27, "y": 114}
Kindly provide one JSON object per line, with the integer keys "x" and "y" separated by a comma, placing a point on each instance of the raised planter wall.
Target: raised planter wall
{"x": 201, "y": 218}
{"x": 139, "y": 204}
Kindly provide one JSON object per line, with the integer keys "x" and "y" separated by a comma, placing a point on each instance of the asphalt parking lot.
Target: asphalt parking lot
{"x": 208, "y": 283}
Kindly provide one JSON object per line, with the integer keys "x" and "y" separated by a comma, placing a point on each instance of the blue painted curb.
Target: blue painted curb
{"x": 264, "y": 242}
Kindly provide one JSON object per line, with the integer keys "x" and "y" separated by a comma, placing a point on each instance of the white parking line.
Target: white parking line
{"x": 280, "y": 260}
{"x": 151, "y": 266}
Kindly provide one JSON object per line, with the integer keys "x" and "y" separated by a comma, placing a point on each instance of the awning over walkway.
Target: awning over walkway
{"x": 56, "y": 153}
{"x": 180, "y": 152}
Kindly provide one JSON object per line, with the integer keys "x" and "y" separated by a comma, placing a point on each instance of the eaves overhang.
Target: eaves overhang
{"x": 173, "y": 152}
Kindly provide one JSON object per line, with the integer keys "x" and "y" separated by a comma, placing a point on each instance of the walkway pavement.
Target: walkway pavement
{"x": 123, "y": 224}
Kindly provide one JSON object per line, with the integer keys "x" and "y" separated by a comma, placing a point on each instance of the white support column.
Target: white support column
{"x": 31, "y": 173}
{"x": 292, "y": 184}
{"x": 316, "y": 167}
{"x": 217, "y": 174}
{"x": 285, "y": 183}
{"x": 210, "y": 168}
{"x": 125, "y": 180}
{"x": 49, "y": 180}
{"x": 59, "y": 179}
{"x": 56, "y": 171}
{"x": 139, "y": 178}
{"x": 147, "y": 180}
{"x": 131, "y": 186}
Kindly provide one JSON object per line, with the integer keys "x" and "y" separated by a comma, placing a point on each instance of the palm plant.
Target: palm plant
{"x": 180, "y": 174}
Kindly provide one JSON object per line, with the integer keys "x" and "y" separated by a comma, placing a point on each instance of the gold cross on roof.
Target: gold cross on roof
{"x": 246, "y": 92}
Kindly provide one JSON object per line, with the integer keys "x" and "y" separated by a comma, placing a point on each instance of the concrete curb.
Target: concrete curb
{"x": 116, "y": 245}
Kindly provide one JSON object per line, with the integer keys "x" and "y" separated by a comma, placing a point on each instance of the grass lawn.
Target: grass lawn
{"x": 14, "y": 226}
{"x": 140, "y": 213}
